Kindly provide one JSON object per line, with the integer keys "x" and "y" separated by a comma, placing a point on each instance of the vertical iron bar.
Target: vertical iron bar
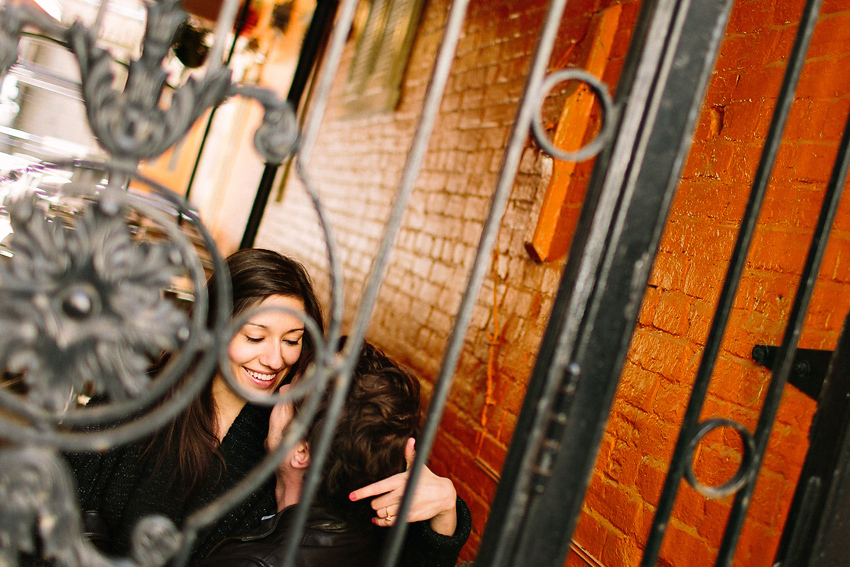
{"x": 730, "y": 286}
{"x": 416, "y": 155}
{"x": 336, "y": 404}
{"x": 313, "y": 45}
{"x": 224, "y": 24}
{"x": 510, "y": 165}
{"x": 258, "y": 209}
{"x": 785, "y": 357}
{"x": 337, "y": 302}
{"x": 798, "y": 544}
{"x": 329, "y": 67}
{"x": 833, "y": 525}
{"x": 605, "y": 276}
{"x": 635, "y": 85}
{"x": 315, "y": 41}
{"x": 606, "y": 329}
{"x": 343, "y": 372}
{"x": 97, "y": 26}
{"x": 830, "y": 423}
{"x": 419, "y": 146}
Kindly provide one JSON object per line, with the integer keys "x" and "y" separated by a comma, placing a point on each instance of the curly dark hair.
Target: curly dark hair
{"x": 381, "y": 412}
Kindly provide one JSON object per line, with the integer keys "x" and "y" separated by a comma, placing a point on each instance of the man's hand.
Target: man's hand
{"x": 435, "y": 498}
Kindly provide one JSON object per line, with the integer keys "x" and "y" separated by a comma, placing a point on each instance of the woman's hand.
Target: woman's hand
{"x": 435, "y": 498}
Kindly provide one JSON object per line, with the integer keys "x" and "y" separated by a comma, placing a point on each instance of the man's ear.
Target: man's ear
{"x": 300, "y": 456}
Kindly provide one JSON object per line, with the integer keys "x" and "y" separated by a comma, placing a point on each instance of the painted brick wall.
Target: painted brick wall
{"x": 686, "y": 283}
{"x": 357, "y": 165}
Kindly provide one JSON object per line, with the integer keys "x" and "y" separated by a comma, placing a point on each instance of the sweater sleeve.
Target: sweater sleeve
{"x": 423, "y": 547}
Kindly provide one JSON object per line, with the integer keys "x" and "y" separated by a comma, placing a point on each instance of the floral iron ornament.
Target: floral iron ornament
{"x": 129, "y": 123}
{"x": 99, "y": 327}
{"x": 86, "y": 306}
{"x": 82, "y": 302}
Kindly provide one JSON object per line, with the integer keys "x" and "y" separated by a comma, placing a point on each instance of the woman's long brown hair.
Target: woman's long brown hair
{"x": 189, "y": 441}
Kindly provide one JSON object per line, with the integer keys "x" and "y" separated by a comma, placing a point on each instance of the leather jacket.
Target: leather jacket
{"x": 328, "y": 541}
{"x": 331, "y": 542}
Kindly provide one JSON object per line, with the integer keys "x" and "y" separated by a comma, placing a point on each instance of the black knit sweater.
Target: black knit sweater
{"x": 123, "y": 489}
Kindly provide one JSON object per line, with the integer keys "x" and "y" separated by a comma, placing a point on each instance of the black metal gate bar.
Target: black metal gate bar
{"x": 814, "y": 492}
{"x": 416, "y": 154}
{"x": 635, "y": 84}
{"x": 785, "y": 357}
{"x": 510, "y": 163}
{"x": 689, "y": 430}
{"x": 427, "y": 120}
{"x": 328, "y": 68}
{"x": 813, "y": 508}
{"x": 831, "y": 531}
{"x": 585, "y": 348}
{"x": 312, "y": 47}
{"x": 240, "y": 25}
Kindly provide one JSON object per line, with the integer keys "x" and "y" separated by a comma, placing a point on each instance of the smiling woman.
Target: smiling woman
{"x": 261, "y": 355}
{"x": 216, "y": 442}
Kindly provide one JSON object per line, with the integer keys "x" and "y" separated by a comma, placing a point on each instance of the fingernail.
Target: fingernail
{"x": 351, "y": 496}
{"x": 374, "y": 520}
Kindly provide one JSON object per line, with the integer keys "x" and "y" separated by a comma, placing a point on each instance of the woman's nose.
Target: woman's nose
{"x": 272, "y": 355}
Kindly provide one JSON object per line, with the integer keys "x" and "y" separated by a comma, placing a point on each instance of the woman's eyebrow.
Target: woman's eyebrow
{"x": 265, "y": 327}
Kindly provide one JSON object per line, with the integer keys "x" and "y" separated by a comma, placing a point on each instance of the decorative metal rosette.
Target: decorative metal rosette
{"x": 83, "y": 309}
{"x": 39, "y": 515}
{"x": 90, "y": 296}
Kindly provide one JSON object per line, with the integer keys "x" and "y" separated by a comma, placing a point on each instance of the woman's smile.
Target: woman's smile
{"x": 261, "y": 376}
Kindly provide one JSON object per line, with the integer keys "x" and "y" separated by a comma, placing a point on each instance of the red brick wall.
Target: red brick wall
{"x": 357, "y": 165}
{"x": 686, "y": 283}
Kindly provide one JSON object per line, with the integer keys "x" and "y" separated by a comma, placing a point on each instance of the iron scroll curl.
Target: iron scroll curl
{"x": 605, "y": 131}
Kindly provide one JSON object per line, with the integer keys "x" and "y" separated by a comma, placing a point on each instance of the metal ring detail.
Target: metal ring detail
{"x": 598, "y": 142}
{"x": 745, "y": 470}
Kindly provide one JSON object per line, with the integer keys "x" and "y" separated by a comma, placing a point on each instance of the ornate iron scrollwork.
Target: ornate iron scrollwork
{"x": 82, "y": 303}
{"x": 83, "y": 306}
{"x": 37, "y": 498}
{"x": 130, "y": 123}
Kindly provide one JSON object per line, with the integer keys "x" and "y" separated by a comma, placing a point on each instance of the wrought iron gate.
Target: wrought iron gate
{"x": 65, "y": 319}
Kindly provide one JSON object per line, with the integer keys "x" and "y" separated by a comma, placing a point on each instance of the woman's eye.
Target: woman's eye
{"x": 290, "y": 342}
{"x": 253, "y": 339}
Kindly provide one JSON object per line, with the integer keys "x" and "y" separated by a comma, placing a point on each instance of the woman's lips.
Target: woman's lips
{"x": 263, "y": 377}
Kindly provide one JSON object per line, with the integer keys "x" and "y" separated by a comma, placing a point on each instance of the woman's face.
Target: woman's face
{"x": 264, "y": 350}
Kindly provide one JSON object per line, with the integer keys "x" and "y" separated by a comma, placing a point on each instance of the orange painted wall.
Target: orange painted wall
{"x": 686, "y": 283}
{"x": 357, "y": 163}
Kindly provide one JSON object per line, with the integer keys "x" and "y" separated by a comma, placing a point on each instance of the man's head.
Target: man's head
{"x": 381, "y": 412}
